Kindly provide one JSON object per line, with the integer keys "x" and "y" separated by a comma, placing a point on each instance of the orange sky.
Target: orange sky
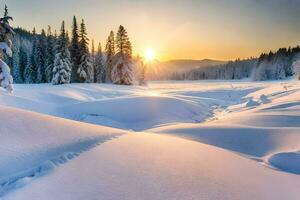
{"x": 194, "y": 29}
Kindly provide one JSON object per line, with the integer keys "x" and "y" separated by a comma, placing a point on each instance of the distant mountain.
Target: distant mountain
{"x": 163, "y": 70}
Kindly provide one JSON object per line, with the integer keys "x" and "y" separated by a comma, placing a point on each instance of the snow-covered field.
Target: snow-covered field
{"x": 170, "y": 140}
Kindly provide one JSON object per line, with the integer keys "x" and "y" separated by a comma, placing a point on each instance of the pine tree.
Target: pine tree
{"x": 16, "y": 69}
{"x": 129, "y": 48}
{"x": 93, "y": 48}
{"x": 143, "y": 68}
{"x": 93, "y": 61}
{"x": 23, "y": 59}
{"x": 110, "y": 53}
{"x": 62, "y": 63}
{"x": 93, "y": 57}
{"x": 41, "y": 53}
{"x": 33, "y": 61}
{"x": 122, "y": 42}
{"x": 75, "y": 51}
{"x": 85, "y": 69}
{"x": 122, "y": 72}
{"x": 68, "y": 39}
{"x": 50, "y": 55}
{"x": 6, "y": 35}
{"x": 29, "y": 71}
{"x": 99, "y": 67}
{"x": 296, "y": 66}
{"x": 5, "y": 11}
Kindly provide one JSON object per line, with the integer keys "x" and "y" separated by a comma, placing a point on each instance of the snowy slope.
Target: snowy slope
{"x": 198, "y": 140}
{"x": 268, "y": 132}
{"x": 139, "y": 108}
{"x": 150, "y": 166}
{"x": 32, "y": 144}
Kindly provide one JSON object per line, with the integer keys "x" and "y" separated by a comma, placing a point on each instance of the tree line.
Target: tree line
{"x": 58, "y": 58}
{"x": 277, "y": 65}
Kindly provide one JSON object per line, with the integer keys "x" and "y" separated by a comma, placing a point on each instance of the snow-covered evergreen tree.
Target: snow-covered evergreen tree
{"x": 41, "y": 54}
{"x": 85, "y": 69}
{"x": 122, "y": 72}
{"x": 33, "y": 57}
{"x": 122, "y": 42}
{"x": 29, "y": 70}
{"x": 75, "y": 51}
{"x": 110, "y": 53}
{"x": 93, "y": 61}
{"x": 5, "y": 11}
{"x": 296, "y": 66}
{"x": 6, "y": 37}
{"x": 50, "y": 55}
{"x": 93, "y": 48}
{"x": 16, "y": 67}
{"x": 99, "y": 67}
{"x": 142, "y": 68}
{"x": 62, "y": 63}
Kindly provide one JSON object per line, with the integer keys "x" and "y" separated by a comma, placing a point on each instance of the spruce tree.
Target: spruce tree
{"x": 110, "y": 53}
{"x": 68, "y": 40}
{"x": 122, "y": 72}
{"x": 33, "y": 56}
{"x": 23, "y": 59}
{"x": 94, "y": 62}
{"x": 85, "y": 69}
{"x": 41, "y": 53}
{"x": 99, "y": 67}
{"x": 5, "y": 11}
{"x": 93, "y": 48}
{"x": 16, "y": 68}
{"x": 6, "y": 36}
{"x": 142, "y": 67}
{"x": 62, "y": 63}
{"x": 75, "y": 51}
{"x": 50, "y": 55}
{"x": 122, "y": 42}
{"x": 29, "y": 70}
{"x": 29, "y": 73}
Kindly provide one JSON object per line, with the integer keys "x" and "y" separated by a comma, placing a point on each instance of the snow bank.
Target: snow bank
{"x": 150, "y": 166}
{"x": 137, "y": 113}
{"x": 251, "y": 141}
{"x": 32, "y": 144}
{"x": 271, "y": 127}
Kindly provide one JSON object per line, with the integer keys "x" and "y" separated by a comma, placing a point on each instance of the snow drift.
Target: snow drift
{"x": 137, "y": 113}
{"x": 32, "y": 144}
{"x": 251, "y": 129}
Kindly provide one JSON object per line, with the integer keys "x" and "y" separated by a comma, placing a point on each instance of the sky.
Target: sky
{"x": 175, "y": 29}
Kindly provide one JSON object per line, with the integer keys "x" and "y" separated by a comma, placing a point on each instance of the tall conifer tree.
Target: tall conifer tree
{"x": 75, "y": 50}
{"x": 122, "y": 72}
{"x": 110, "y": 53}
{"x": 62, "y": 63}
{"x": 41, "y": 54}
{"x": 85, "y": 69}
{"x": 50, "y": 55}
{"x": 100, "y": 69}
{"x": 30, "y": 69}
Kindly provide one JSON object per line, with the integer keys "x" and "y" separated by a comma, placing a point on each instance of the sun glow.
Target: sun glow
{"x": 149, "y": 54}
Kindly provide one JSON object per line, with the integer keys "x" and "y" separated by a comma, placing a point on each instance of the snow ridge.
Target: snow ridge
{"x": 72, "y": 151}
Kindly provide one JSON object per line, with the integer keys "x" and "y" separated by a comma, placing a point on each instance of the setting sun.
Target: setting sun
{"x": 150, "y": 54}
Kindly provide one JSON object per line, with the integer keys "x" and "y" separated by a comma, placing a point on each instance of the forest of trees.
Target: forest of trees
{"x": 271, "y": 66}
{"x": 59, "y": 58}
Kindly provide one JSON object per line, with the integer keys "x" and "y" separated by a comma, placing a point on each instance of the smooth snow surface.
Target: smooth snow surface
{"x": 149, "y": 166}
{"x": 196, "y": 140}
{"x": 32, "y": 144}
